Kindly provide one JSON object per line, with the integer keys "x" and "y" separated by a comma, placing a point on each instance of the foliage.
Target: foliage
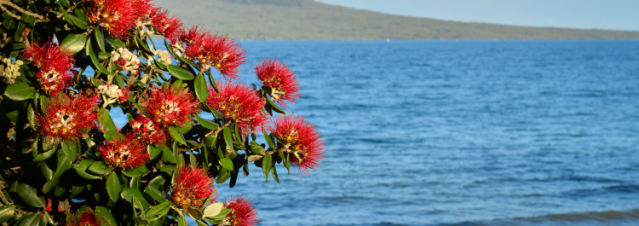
{"x": 63, "y": 161}
{"x": 311, "y": 20}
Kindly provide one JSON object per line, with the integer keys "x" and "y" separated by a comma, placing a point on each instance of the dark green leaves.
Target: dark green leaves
{"x": 74, "y": 43}
{"x": 177, "y": 135}
{"x": 206, "y": 123}
{"x": 201, "y": 90}
{"x": 132, "y": 194}
{"x": 82, "y": 167}
{"x": 227, "y": 164}
{"x": 94, "y": 59}
{"x": 113, "y": 186}
{"x": 267, "y": 162}
{"x": 30, "y": 196}
{"x": 180, "y": 73}
{"x": 6, "y": 213}
{"x": 19, "y": 91}
{"x": 228, "y": 139}
{"x": 107, "y": 122}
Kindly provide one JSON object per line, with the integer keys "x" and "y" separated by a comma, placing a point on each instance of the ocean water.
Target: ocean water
{"x": 459, "y": 133}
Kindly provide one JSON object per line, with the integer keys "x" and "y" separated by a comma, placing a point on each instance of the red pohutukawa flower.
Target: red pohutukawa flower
{"x": 213, "y": 51}
{"x": 239, "y": 103}
{"x": 68, "y": 118}
{"x": 149, "y": 132}
{"x": 88, "y": 218}
{"x": 281, "y": 80}
{"x": 242, "y": 213}
{"x": 117, "y": 17}
{"x": 125, "y": 153}
{"x": 170, "y": 28}
{"x": 302, "y": 141}
{"x": 170, "y": 105}
{"x": 56, "y": 66}
{"x": 192, "y": 186}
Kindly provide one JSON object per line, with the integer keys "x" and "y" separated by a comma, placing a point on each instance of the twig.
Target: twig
{"x": 212, "y": 133}
{"x": 6, "y": 2}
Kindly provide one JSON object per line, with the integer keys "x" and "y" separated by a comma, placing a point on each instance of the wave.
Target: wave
{"x": 595, "y": 218}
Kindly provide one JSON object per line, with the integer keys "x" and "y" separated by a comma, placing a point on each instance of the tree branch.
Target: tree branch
{"x": 9, "y": 3}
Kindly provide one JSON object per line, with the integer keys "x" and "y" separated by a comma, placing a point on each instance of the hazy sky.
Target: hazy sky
{"x": 604, "y": 14}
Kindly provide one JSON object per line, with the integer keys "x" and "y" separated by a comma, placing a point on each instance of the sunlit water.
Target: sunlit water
{"x": 459, "y": 133}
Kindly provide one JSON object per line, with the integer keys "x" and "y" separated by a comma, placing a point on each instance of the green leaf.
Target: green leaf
{"x": 79, "y": 22}
{"x": 133, "y": 193}
{"x": 30, "y": 196}
{"x": 201, "y": 90}
{"x": 167, "y": 155}
{"x": 180, "y": 73}
{"x": 153, "y": 189}
{"x": 82, "y": 167}
{"x": 19, "y": 91}
{"x": 99, "y": 168}
{"x": 176, "y": 135}
{"x": 131, "y": 173}
{"x": 228, "y": 138}
{"x": 30, "y": 220}
{"x": 268, "y": 139}
{"x": 99, "y": 38}
{"x": 143, "y": 43}
{"x": 13, "y": 116}
{"x": 69, "y": 150}
{"x": 108, "y": 125}
{"x": 170, "y": 49}
{"x": 194, "y": 213}
{"x": 113, "y": 186}
{"x": 115, "y": 42}
{"x": 31, "y": 116}
{"x": 65, "y": 3}
{"x": 94, "y": 59}
{"x": 227, "y": 164}
{"x": 222, "y": 176}
{"x": 74, "y": 43}
{"x": 267, "y": 163}
{"x": 274, "y": 106}
{"x": 6, "y": 213}
{"x": 213, "y": 209}
{"x": 106, "y": 214}
{"x": 207, "y": 123}
{"x": 274, "y": 173}
{"x": 182, "y": 221}
{"x": 256, "y": 148}
{"x": 64, "y": 164}
{"x": 159, "y": 210}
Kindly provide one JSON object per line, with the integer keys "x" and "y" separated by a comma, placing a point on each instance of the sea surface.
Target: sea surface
{"x": 459, "y": 133}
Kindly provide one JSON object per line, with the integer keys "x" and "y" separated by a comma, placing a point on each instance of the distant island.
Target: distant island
{"x": 310, "y": 20}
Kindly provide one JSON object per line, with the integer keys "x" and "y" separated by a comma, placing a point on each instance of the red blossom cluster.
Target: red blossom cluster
{"x": 88, "y": 218}
{"x": 243, "y": 212}
{"x": 56, "y": 66}
{"x": 300, "y": 137}
{"x": 124, "y": 152}
{"x": 67, "y": 118}
{"x": 238, "y": 103}
{"x": 192, "y": 186}
{"x": 149, "y": 132}
{"x": 212, "y": 51}
{"x": 170, "y": 105}
{"x": 117, "y": 17}
{"x": 170, "y": 28}
{"x": 280, "y": 79}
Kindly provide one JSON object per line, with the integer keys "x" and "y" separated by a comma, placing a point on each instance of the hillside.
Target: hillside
{"x": 310, "y": 20}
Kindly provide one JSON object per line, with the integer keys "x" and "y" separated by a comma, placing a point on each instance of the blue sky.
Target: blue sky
{"x": 602, "y": 14}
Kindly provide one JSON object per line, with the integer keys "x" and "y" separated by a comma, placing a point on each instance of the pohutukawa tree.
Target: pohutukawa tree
{"x": 68, "y": 65}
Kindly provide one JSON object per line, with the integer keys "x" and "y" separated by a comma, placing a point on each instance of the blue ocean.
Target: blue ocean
{"x": 466, "y": 133}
